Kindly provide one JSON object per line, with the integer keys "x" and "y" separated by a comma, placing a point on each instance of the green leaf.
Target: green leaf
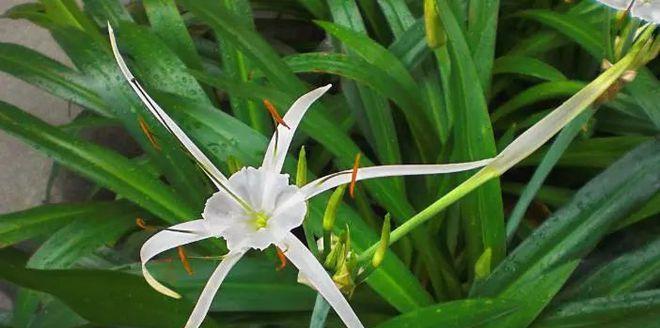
{"x": 540, "y": 265}
{"x": 373, "y": 110}
{"x": 102, "y": 297}
{"x": 634, "y": 310}
{"x": 539, "y": 92}
{"x": 529, "y": 66}
{"x": 644, "y": 90}
{"x": 102, "y": 166}
{"x": 107, "y": 11}
{"x": 398, "y": 16}
{"x": 94, "y": 59}
{"x": 69, "y": 244}
{"x": 253, "y": 285}
{"x": 375, "y": 54}
{"x": 456, "y": 314}
{"x": 481, "y": 35}
{"x": 49, "y": 75}
{"x": 166, "y": 22}
{"x": 23, "y": 225}
{"x": 571, "y": 26}
{"x": 630, "y": 272}
{"x": 590, "y": 153}
{"x": 482, "y": 209}
{"x": 551, "y": 157}
{"x": 317, "y": 7}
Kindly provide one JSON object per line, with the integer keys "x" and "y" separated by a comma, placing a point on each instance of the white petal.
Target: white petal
{"x": 305, "y": 261}
{"x": 214, "y": 174}
{"x": 648, "y": 10}
{"x": 618, "y": 4}
{"x": 330, "y": 181}
{"x": 211, "y": 288}
{"x": 279, "y": 144}
{"x": 165, "y": 240}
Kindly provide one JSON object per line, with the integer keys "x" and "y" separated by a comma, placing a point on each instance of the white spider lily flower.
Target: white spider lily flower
{"x": 648, "y": 10}
{"x": 257, "y": 207}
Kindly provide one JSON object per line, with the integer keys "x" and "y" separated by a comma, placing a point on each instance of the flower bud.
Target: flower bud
{"x": 331, "y": 210}
{"x": 435, "y": 33}
{"x": 482, "y": 266}
{"x": 383, "y": 244}
{"x": 301, "y": 170}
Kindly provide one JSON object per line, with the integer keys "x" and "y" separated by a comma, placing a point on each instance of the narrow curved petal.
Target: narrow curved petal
{"x": 305, "y": 261}
{"x": 279, "y": 144}
{"x": 206, "y": 298}
{"x": 333, "y": 180}
{"x": 648, "y": 10}
{"x": 214, "y": 174}
{"x": 166, "y": 240}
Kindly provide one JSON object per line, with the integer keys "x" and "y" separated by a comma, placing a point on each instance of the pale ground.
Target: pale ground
{"x": 23, "y": 171}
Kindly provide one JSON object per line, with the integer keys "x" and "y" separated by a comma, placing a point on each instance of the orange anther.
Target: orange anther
{"x": 356, "y": 164}
{"x": 273, "y": 112}
{"x": 282, "y": 258}
{"x": 147, "y": 132}
{"x": 184, "y": 260}
{"x": 143, "y": 225}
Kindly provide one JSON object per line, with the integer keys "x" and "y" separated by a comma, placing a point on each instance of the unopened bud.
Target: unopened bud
{"x": 383, "y": 244}
{"x": 331, "y": 209}
{"x": 301, "y": 170}
{"x": 482, "y": 266}
{"x": 435, "y": 33}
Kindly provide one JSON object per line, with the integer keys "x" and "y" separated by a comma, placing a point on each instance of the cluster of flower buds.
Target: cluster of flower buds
{"x": 334, "y": 248}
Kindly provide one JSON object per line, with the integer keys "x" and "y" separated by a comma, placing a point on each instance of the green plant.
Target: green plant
{"x": 436, "y": 81}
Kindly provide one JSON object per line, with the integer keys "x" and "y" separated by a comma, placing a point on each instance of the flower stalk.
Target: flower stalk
{"x": 644, "y": 49}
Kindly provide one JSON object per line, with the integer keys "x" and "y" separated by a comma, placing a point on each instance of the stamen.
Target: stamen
{"x": 273, "y": 112}
{"x": 282, "y": 258}
{"x": 260, "y": 220}
{"x": 147, "y": 132}
{"x": 356, "y": 164}
{"x": 184, "y": 260}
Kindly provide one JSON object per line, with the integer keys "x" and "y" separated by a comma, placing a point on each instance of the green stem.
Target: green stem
{"x": 457, "y": 193}
{"x": 320, "y": 312}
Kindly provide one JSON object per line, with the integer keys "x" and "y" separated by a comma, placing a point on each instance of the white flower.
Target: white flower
{"x": 256, "y": 208}
{"x": 648, "y": 10}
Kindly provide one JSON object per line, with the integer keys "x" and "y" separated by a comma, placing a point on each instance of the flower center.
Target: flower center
{"x": 260, "y": 219}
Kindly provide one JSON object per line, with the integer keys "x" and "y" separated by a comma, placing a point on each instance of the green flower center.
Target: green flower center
{"x": 260, "y": 219}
